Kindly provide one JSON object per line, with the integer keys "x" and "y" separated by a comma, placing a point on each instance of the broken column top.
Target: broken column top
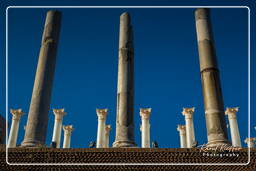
{"x": 202, "y": 13}
{"x": 52, "y": 26}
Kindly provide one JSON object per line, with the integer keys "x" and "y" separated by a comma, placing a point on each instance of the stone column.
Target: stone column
{"x": 107, "y": 130}
{"x": 250, "y": 142}
{"x": 125, "y": 88}
{"x": 235, "y": 135}
{"x": 183, "y": 139}
{"x": 37, "y": 123}
{"x": 12, "y": 140}
{"x": 190, "y": 132}
{"x": 102, "y": 114}
{"x": 145, "y": 127}
{"x": 59, "y": 113}
{"x": 213, "y": 100}
{"x": 67, "y": 135}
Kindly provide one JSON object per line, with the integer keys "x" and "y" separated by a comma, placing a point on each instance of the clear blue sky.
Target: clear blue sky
{"x": 167, "y": 76}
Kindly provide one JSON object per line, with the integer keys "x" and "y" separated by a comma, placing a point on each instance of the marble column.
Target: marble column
{"x": 183, "y": 139}
{"x": 145, "y": 127}
{"x": 12, "y": 140}
{"x": 125, "y": 88}
{"x": 37, "y": 122}
{"x": 107, "y": 131}
{"x": 102, "y": 115}
{"x": 68, "y": 129}
{"x": 59, "y": 113}
{"x": 250, "y": 142}
{"x": 213, "y": 100}
{"x": 235, "y": 135}
{"x": 190, "y": 132}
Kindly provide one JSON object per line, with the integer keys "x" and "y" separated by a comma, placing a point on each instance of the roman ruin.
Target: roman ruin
{"x": 213, "y": 100}
{"x": 37, "y": 121}
{"x": 36, "y": 129}
{"x": 125, "y": 86}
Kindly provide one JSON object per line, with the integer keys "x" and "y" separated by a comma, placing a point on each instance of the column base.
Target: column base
{"x": 218, "y": 143}
{"x": 32, "y": 144}
{"x": 124, "y": 144}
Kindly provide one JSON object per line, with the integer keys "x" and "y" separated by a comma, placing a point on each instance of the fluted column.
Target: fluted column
{"x": 190, "y": 132}
{"x": 107, "y": 131}
{"x": 250, "y": 142}
{"x": 102, "y": 114}
{"x": 235, "y": 135}
{"x": 68, "y": 129}
{"x": 59, "y": 113}
{"x": 145, "y": 127}
{"x": 183, "y": 139}
{"x": 213, "y": 100}
{"x": 125, "y": 88}
{"x": 37, "y": 122}
{"x": 12, "y": 140}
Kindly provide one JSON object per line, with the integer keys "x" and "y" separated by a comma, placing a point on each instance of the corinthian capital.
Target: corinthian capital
{"x": 181, "y": 128}
{"x": 68, "y": 129}
{"x": 231, "y": 112}
{"x": 16, "y": 113}
{"x": 108, "y": 129}
{"x": 59, "y": 113}
{"x": 102, "y": 113}
{"x": 188, "y": 112}
{"x": 145, "y": 113}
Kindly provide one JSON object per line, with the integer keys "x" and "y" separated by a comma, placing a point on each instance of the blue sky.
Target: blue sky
{"x": 167, "y": 75}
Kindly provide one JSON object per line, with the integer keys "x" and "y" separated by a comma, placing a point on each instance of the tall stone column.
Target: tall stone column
{"x": 37, "y": 123}
{"x": 183, "y": 139}
{"x": 235, "y": 135}
{"x": 213, "y": 100}
{"x": 102, "y": 114}
{"x": 125, "y": 88}
{"x": 107, "y": 130}
{"x": 190, "y": 132}
{"x": 12, "y": 140}
{"x": 59, "y": 113}
{"x": 145, "y": 127}
{"x": 68, "y": 129}
{"x": 250, "y": 142}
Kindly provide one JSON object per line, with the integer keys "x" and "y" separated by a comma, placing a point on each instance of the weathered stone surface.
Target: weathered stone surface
{"x": 213, "y": 100}
{"x": 36, "y": 128}
{"x": 125, "y": 90}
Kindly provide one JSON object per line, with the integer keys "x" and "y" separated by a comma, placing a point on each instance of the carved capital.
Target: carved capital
{"x": 181, "y": 128}
{"x": 16, "y": 114}
{"x": 68, "y": 129}
{"x": 102, "y": 113}
{"x": 145, "y": 113}
{"x": 108, "y": 129}
{"x": 188, "y": 112}
{"x": 250, "y": 140}
{"x": 231, "y": 112}
{"x": 59, "y": 113}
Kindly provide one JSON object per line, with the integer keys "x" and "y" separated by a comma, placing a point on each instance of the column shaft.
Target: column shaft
{"x": 12, "y": 140}
{"x": 66, "y": 141}
{"x": 182, "y": 133}
{"x": 101, "y": 133}
{"x": 57, "y": 132}
{"x": 213, "y": 100}
{"x": 145, "y": 133}
{"x": 125, "y": 98}
{"x": 189, "y": 132}
{"x": 40, "y": 102}
{"x": 183, "y": 143}
{"x": 235, "y": 136}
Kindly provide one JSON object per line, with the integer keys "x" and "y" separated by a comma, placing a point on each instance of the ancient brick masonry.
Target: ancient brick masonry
{"x": 125, "y": 155}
